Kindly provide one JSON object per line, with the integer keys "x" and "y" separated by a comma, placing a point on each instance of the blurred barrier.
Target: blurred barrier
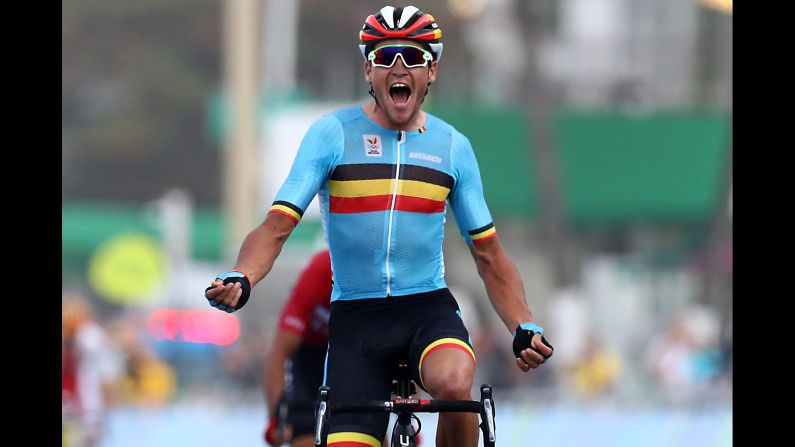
{"x": 518, "y": 425}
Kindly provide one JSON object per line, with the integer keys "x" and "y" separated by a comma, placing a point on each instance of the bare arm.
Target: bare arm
{"x": 284, "y": 345}
{"x": 503, "y": 283}
{"x": 262, "y": 246}
{"x": 506, "y": 293}
{"x": 256, "y": 257}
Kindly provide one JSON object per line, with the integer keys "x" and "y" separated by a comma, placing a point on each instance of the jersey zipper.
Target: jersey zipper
{"x": 401, "y": 139}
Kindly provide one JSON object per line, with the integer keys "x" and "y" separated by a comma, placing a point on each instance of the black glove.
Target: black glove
{"x": 523, "y": 336}
{"x": 232, "y": 277}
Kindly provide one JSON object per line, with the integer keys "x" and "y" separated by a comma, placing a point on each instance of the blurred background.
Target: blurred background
{"x": 603, "y": 130}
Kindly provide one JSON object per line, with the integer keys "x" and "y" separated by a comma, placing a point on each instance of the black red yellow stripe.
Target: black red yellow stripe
{"x": 352, "y": 439}
{"x": 358, "y": 188}
{"x": 288, "y": 209}
{"x": 483, "y": 233}
{"x": 445, "y": 343}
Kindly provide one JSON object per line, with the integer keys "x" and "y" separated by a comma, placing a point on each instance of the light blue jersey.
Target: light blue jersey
{"x": 383, "y": 195}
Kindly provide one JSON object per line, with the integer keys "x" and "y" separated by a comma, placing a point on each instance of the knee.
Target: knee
{"x": 450, "y": 385}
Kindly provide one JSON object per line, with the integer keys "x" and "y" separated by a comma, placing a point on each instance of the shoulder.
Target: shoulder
{"x": 347, "y": 114}
{"x": 458, "y": 138}
{"x": 330, "y": 122}
{"x": 336, "y": 122}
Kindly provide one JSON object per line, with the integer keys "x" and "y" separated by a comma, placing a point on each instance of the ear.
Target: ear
{"x": 368, "y": 71}
{"x": 432, "y": 72}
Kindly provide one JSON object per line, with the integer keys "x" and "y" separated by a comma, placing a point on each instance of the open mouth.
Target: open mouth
{"x": 400, "y": 93}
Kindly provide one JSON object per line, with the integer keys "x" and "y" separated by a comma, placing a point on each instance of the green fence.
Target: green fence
{"x": 615, "y": 169}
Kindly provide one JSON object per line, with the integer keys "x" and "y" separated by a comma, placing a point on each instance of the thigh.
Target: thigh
{"x": 440, "y": 327}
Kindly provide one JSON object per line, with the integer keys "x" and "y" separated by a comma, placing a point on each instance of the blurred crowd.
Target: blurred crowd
{"x": 115, "y": 362}
{"x": 104, "y": 364}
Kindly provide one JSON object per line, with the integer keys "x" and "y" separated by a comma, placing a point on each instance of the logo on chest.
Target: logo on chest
{"x": 426, "y": 157}
{"x": 372, "y": 146}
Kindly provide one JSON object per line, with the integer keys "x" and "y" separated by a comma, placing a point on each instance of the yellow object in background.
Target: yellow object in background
{"x": 127, "y": 269}
{"x": 149, "y": 382}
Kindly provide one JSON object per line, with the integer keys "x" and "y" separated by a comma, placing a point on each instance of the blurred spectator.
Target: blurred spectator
{"x": 669, "y": 362}
{"x": 687, "y": 359}
{"x": 147, "y": 380}
{"x": 707, "y": 359}
{"x": 242, "y": 361}
{"x": 596, "y": 372}
{"x": 90, "y": 365}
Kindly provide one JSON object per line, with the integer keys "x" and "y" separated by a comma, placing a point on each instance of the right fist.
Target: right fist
{"x": 230, "y": 278}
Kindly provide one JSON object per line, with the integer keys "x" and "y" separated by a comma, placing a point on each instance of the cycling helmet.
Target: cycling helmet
{"x": 401, "y": 23}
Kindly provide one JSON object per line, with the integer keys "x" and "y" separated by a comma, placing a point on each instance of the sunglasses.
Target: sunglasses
{"x": 387, "y": 55}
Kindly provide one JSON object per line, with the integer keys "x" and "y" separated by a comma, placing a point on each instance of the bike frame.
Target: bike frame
{"x": 405, "y": 407}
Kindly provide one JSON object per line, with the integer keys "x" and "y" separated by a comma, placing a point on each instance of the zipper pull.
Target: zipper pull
{"x": 401, "y": 136}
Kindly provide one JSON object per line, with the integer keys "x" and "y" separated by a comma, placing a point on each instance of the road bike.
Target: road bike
{"x": 405, "y": 406}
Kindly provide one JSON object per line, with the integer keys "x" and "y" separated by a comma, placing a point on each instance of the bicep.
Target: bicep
{"x": 317, "y": 156}
{"x": 467, "y": 199}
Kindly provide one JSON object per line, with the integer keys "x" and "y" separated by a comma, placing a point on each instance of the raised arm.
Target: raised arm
{"x": 255, "y": 259}
{"x": 503, "y": 283}
{"x": 505, "y": 290}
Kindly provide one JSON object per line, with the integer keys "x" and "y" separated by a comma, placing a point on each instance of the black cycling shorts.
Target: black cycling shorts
{"x": 368, "y": 337}
{"x": 303, "y": 376}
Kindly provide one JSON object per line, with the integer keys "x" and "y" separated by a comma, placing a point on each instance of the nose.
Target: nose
{"x": 399, "y": 64}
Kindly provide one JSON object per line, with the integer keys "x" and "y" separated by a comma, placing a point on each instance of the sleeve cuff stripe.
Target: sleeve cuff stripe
{"x": 491, "y": 232}
{"x": 287, "y": 212}
{"x": 482, "y": 229}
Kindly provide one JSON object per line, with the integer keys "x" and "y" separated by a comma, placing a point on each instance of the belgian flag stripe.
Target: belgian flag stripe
{"x": 363, "y": 188}
{"x": 288, "y": 209}
{"x": 352, "y": 439}
{"x": 488, "y": 234}
{"x": 481, "y": 234}
{"x": 349, "y": 205}
{"x": 376, "y": 171}
{"x": 481, "y": 229}
{"x": 446, "y": 343}
{"x": 427, "y": 175}
{"x": 363, "y": 171}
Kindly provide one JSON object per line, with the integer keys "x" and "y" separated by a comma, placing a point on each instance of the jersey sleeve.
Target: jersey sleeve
{"x": 320, "y": 151}
{"x": 469, "y": 206}
{"x": 312, "y": 289}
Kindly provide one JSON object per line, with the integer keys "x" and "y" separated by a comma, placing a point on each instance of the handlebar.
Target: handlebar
{"x": 411, "y": 405}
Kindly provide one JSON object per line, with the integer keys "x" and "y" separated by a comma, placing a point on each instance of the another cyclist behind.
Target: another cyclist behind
{"x": 294, "y": 368}
{"x": 295, "y": 362}
{"x": 384, "y": 173}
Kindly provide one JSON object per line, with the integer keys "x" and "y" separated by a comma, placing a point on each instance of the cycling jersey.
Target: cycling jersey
{"x": 383, "y": 195}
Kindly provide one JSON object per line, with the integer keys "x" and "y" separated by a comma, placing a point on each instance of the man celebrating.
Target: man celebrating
{"x": 384, "y": 173}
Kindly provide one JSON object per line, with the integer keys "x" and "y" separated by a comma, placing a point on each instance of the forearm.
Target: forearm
{"x": 262, "y": 246}
{"x": 285, "y": 344}
{"x": 274, "y": 380}
{"x": 503, "y": 284}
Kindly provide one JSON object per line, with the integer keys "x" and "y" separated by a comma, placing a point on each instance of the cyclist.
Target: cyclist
{"x": 384, "y": 173}
{"x": 294, "y": 368}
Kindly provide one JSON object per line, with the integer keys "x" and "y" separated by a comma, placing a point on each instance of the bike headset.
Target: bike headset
{"x": 401, "y": 23}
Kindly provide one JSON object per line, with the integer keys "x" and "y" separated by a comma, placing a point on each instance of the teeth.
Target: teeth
{"x": 399, "y": 84}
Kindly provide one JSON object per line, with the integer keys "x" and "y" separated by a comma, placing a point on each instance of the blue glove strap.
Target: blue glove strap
{"x": 223, "y": 276}
{"x": 528, "y": 326}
